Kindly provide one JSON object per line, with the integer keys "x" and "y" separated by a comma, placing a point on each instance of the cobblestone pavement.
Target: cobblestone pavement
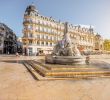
{"x": 16, "y": 83}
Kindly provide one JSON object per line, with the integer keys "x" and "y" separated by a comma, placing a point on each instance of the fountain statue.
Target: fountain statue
{"x": 65, "y": 51}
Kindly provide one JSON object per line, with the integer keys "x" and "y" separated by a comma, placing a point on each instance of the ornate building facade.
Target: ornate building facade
{"x": 41, "y": 33}
{"x": 8, "y": 40}
{"x": 19, "y": 45}
{"x": 98, "y": 43}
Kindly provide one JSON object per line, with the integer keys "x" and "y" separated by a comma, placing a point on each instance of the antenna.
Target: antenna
{"x": 35, "y": 1}
{"x": 32, "y": 3}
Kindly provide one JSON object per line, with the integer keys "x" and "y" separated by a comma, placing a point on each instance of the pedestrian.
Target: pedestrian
{"x": 17, "y": 54}
{"x": 87, "y": 59}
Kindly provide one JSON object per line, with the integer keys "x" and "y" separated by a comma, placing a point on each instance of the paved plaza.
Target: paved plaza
{"x": 16, "y": 83}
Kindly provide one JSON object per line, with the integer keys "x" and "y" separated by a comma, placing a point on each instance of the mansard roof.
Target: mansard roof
{"x": 31, "y": 9}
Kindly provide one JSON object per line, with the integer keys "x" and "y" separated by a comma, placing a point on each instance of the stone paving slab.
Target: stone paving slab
{"x": 16, "y": 83}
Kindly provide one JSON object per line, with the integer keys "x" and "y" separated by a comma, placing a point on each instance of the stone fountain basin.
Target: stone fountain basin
{"x": 64, "y": 59}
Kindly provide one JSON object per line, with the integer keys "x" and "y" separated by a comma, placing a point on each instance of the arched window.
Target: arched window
{"x": 38, "y": 42}
{"x": 47, "y": 43}
{"x": 30, "y": 41}
{"x": 42, "y": 43}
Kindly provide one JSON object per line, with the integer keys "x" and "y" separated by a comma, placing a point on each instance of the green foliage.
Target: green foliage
{"x": 107, "y": 45}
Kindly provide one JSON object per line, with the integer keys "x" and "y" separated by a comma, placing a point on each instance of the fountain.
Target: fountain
{"x": 65, "y": 51}
{"x": 66, "y": 62}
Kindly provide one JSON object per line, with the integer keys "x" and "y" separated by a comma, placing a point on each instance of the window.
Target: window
{"x": 42, "y": 43}
{"x": 52, "y": 25}
{"x": 30, "y": 35}
{"x": 40, "y": 28}
{"x": 44, "y": 23}
{"x": 40, "y": 21}
{"x": 37, "y": 21}
{"x": 26, "y": 27}
{"x": 24, "y": 34}
{"x": 37, "y": 28}
{"x": 42, "y": 36}
{"x": 46, "y": 37}
{"x": 51, "y": 38}
{"x": 47, "y": 43}
{"x": 54, "y": 38}
{"x": 44, "y": 29}
{"x": 52, "y": 31}
{"x": 30, "y": 27}
{"x": 38, "y": 36}
{"x": 49, "y": 30}
{"x": 50, "y": 44}
{"x": 30, "y": 41}
{"x": 38, "y": 42}
{"x": 30, "y": 51}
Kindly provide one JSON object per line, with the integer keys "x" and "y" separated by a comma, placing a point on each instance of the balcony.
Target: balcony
{"x": 27, "y": 22}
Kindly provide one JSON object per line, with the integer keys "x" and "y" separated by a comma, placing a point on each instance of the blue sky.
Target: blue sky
{"x": 85, "y": 12}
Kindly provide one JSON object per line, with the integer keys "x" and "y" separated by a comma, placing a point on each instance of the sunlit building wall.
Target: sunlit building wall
{"x": 41, "y": 33}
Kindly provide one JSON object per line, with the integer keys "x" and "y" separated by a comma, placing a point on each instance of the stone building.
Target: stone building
{"x": 98, "y": 43}
{"x": 19, "y": 45}
{"x": 41, "y": 33}
{"x": 7, "y": 40}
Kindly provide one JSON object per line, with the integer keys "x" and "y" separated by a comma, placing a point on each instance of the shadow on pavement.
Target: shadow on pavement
{"x": 12, "y": 61}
